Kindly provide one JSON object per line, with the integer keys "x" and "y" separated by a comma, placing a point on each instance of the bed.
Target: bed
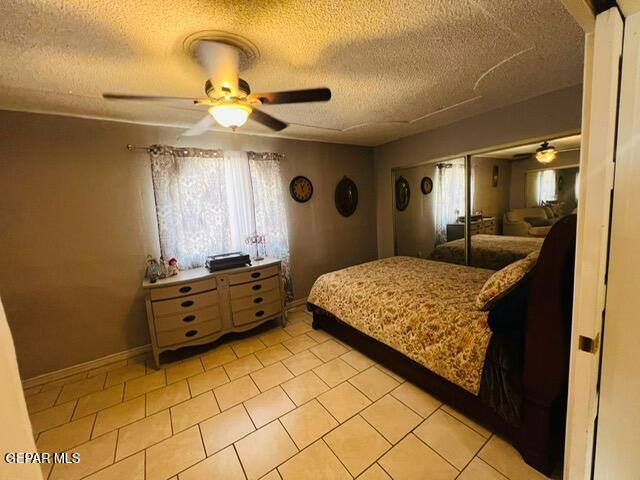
{"x": 506, "y": 367}
{"x": 487, "y": 251}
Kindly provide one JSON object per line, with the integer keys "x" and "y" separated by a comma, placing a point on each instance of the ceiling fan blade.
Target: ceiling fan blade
{"x": 267, "y": 120}
{"x": 294, "y": 96}
{"x": 199, "y": 128}
{"x": 153, "y": 98}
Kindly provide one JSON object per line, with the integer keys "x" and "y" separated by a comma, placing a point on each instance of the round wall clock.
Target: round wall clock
{"x": 346, "y": 197}
{"x": 301, "y": 189}
{"x": 426, "y": 185}
{"x": 403, "y": 193}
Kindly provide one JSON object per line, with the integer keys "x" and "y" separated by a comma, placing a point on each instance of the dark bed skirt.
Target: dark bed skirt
{"x": 539, "y": 438}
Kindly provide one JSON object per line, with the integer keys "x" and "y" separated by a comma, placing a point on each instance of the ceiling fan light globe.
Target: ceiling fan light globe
{"x": 230, "y": 115}
{"x": 546, "y": 153}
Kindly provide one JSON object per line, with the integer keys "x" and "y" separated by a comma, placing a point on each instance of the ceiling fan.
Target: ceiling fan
{"x": 229, "y": 98}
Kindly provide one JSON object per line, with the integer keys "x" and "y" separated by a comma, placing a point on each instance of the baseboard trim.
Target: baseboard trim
{"x": 86, "y": 366}
{"x": 297, "y": 303}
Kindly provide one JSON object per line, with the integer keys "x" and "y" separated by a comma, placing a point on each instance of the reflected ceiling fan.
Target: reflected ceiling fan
{"x": 229, "y": 98}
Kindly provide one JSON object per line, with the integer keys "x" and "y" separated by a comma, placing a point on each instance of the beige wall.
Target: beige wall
{"x": 491, "y": 201}
{"x": 78, "y": 219}
{"x": 552, "y": 113}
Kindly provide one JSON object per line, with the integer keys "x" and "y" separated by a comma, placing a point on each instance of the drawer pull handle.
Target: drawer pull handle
{"x": 185, "y": 289}
{"x": 259, "y": 313}
{"x": 191, "y": 333}
{"x": 255, "y": 274}
{"x": 187, "y": 303}
{"x": 257, "y": 299}
{"x": 189, "y": 318}
{"x": 256, "y": 287}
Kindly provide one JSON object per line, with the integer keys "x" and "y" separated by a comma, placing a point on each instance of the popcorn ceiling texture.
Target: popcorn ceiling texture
{"x": 395, "y": 67}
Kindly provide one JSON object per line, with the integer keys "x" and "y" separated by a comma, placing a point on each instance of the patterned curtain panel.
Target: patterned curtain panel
{"x": 449, "y": 190}
{"x": 209, "y": 201}
{"x": 270, "y": 212}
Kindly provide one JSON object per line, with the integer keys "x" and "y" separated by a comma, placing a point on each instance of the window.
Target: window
{"x": 209, "y": 201}
{"x": 450, "y": 196}
{"x": 546, "y": 186}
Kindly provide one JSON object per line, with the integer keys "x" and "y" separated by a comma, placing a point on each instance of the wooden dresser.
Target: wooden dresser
{"x": 197, "y": 307}
{"x": 486, "y": 225}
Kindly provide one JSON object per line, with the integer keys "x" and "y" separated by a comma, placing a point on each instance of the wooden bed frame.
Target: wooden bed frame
{"x": 540, "y": 436}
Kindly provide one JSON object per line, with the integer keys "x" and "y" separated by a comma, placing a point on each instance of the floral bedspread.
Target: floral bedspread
{"x": 421, "y": 308}
{"x": 488, "y": 251}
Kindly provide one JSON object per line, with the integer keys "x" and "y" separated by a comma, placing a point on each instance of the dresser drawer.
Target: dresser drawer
{"x": 185, "y": 304}
{"x": 253, "y": 275}
{"x": 186, "y": 334}
{"x": 174, "y": 291}
{"x": 251, "y": 315}
{"x": 250, "y": 289}
{"x": 255, "y": 300}
{"x": 172, "y": 322}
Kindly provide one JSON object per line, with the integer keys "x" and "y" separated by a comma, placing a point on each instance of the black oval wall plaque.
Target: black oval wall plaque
{"x": 346, "y": 197}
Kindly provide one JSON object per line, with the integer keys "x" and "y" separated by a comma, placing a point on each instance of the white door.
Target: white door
{"x": 617, "y": 453}
{"x": 600, "y": 99}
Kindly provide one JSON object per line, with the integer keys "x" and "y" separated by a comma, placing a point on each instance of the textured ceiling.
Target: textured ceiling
{"x": 395, "y": 67}
{"x": 562, "y": 144}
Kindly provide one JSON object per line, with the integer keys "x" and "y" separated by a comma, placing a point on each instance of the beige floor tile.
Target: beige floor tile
{"x": 218, "y": 356}
{"x": 302, "y": 362}
{"x": 52, "y": 417}
{"x": 95, "y": 455}
{"x": 344, "y": 401}
{"x": 81, "y": 388}
{"x": 328, "y": 350}
{"x": 374, "y": 383}
{"x": 451, "y": 438}
{"x": 225, "y": 428}
{"x": 319, "y": 336}
{"x": 247, "y": 346}
{"x": 193, "y": 411}
{"x": 140, "y": 386}
{"x": 268, "y": 406}
{"x": 413, "y": 460}
{"x": 271, "y": 376}
{"x": 66, "y": 436}
{"x": 207, "y": 380}
{"x": 122, "y": 374}
{"x": 505, "y": 459}
{"x": 235, "y": 392}
{"x": 274, "y": 337}
{"x": 118, "y": 416}
{"x": 416, "y": 399}
{"x": 223, "y": 465}
{"x": 273, "y": 354}
{"x": 305, "y": 387}
{"x": 183, "y": 370}
{"x": 168, "y": 396}
{"x": 296, "y": 315}
{"x": 391, "y": 373}
{"x": 485, "y": 432}
{"x": 316, "y": 461}
{"x": 272, "y": 475}
{"x": 131, "y": 468}
{"x": 374, "y": 472}
{"x": 356, "y": 444}
{"x": 243, "y": 366}
{"x": 308, "y": 423}
{"x": 357, "y": 360}
{"x": 98, "y": 401}
{"x": 174, "y": 454}
{"x": 297, "y": 328}
{"x": 143, "y": 433}
{"x": 263, "y": 450}
{"x": 334, "y": 372}
{"x": 43, "y": 400}
{"x": 64, "y": 381}
{"x": 300, "y": 343}
{"x": 106, "y": 368}
{"x": 391, "y": 418}
{"x": 479, "y": 470}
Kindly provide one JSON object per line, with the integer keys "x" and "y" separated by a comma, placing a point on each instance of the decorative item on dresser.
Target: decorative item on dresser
{"x": 478, "y": 225}
{"x": 197, "y": 307}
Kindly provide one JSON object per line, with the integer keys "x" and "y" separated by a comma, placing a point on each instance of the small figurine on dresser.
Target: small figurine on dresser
{"x": 173, "y": 269}
{"x": 153, "y": 270}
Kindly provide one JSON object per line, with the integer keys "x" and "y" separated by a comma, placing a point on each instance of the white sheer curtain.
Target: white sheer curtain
{"x": 546, "y": 186}
{"x": 450, "y": 201}
{"x": 209, "y": 201}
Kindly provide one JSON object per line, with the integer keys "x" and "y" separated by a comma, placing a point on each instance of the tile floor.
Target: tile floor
{"x": 286, "y": 403}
